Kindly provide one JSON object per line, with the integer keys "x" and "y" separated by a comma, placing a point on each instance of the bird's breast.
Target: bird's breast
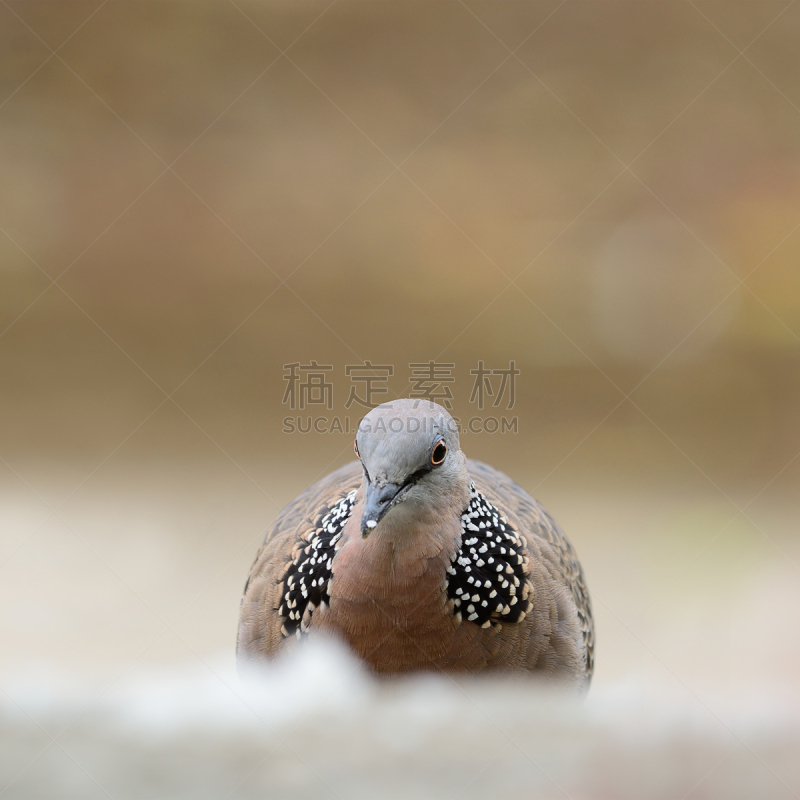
{"x": 388, "y": 595}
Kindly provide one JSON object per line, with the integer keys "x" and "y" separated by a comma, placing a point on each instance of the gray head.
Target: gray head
{"x": 411, "y": 455}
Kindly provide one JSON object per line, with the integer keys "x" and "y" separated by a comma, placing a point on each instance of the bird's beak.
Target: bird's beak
{"x": 379, "y": 500}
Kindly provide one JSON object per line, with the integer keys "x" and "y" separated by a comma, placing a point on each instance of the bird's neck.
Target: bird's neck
{"x": 405, "y": 555}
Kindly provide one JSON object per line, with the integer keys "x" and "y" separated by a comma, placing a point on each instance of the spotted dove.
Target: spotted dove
{"x": 421, "y": 559}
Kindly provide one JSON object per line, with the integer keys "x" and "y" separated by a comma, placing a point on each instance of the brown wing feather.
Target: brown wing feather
{"x": 259, "y": 623}
{"x": 536, "y": 522}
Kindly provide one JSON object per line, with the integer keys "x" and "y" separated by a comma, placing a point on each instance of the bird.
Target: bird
{"x": 420, "y": 559}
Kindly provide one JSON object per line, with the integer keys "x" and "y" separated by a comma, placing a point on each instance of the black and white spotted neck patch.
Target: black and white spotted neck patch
{"x": 305, "y": 580}
{"x": 487, "y": 580}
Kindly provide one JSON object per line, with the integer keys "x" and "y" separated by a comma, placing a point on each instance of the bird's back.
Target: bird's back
{"x": 557, "y": 635}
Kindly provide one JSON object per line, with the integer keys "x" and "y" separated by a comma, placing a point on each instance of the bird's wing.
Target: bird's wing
{"x": 536, "y": 522}
{"x": 259, "y": 621}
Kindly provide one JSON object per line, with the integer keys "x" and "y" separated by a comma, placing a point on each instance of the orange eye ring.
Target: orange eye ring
{"x": 439, "y": 453}
{"x": 355, "y": 448}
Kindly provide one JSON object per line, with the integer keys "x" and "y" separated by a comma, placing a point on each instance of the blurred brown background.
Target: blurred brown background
{"x": 194, "y": 194}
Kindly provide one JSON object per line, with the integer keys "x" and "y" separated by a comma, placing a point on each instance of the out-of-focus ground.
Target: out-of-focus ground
{"x": 318, "y": 727}
{"x": 185, "y": 209}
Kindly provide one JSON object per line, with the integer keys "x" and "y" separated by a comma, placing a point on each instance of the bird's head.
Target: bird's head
{"x": 410, "y": 453}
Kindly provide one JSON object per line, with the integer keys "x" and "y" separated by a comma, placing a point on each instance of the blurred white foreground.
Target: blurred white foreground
{"x": 315, "y": 726}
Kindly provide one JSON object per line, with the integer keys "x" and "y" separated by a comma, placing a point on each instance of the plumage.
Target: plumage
{"x": 420, "y": 565}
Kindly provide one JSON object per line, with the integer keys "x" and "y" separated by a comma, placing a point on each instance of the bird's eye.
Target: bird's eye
{"x": 355, "y": 447}
{"x": 438, "y": 454}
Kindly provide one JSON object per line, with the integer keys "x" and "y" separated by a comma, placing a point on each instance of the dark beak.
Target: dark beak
{"x": 379, "y": 500}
